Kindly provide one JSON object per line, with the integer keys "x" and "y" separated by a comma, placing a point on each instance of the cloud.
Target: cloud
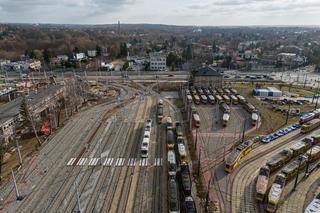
{"x": 185, "y": 12}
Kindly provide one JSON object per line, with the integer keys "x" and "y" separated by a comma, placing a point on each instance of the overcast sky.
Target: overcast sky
{"x": 180, "y": 12}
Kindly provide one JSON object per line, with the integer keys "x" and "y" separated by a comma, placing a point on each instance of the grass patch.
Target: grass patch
{"x": 271, "y": 120}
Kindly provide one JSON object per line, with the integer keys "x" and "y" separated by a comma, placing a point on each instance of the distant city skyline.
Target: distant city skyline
{"x": 178, "y": 12}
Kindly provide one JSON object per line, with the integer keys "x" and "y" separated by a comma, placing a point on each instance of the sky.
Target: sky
{"x": 172, "y": 12}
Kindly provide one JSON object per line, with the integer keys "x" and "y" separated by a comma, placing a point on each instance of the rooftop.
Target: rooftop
{"x": 207, "y": 71}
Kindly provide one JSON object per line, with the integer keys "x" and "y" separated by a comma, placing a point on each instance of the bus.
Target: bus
{"x": 169, "y": 123}
{"x": 173, "y": 196}
{"x": 204, "y": 99}
{"x": 241, "y": 99}
{"x": 160, "y": 103}
{"x": 226, "y": 99}
{"x": 225, "y": 119}
{"x": 219, "y": 99}
{"x": 196, "y": 120}
{"x": 196, "y": 99}
{"x": 189, "y": 99}
{"x": 227, "y": 91}
{"x": 170, "y": 139}
{"x": 172, "y": 165}
{"x": 211, "y": 99}
{"x": 182, "y": 153}
{"x": 234, "y": 99}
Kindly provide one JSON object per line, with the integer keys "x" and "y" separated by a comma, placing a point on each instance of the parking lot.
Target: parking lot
{"x": 213, "y": 137}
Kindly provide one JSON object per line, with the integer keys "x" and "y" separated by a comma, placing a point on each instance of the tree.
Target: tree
{"x": 47, "y": 55}
{"x": 123, "y": 50}
{"x": 76, "y": 50}
{"x": 173, "y": 60}
{"x": 187, "y": 53}
{"x": 24, "y": 112}
{"x": 227, "y": 61}
{"x": 3, "y": 149}
{"x": 27, "y": 119}
{"x": 99, "y": 50}
{"x": 32, "y": 54}
{"x": 214, "y": 47}
{"x": 126, "y": 65}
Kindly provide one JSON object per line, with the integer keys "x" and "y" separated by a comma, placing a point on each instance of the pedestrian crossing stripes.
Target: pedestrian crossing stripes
{"x": 82, "y": 161}
{"x": 93, "y": 161}
{"x": 108, "y": 162}
{"x": 117, "y": 162}
{"x": 157, "y": 162}
{"x": 71, "y": 161}
{"x": 144, "y": 162}
{"x": 120, "y": 162}
{"x": 132, "y": 162}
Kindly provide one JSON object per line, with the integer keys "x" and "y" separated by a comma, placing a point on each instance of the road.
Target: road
{"x": 97, "y": 156}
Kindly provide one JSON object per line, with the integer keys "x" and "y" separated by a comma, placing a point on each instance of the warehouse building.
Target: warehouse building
{"x": 207, "y": 76}
{"x": 269, "y": 92}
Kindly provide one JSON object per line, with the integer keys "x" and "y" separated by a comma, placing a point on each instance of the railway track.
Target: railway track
{"x": 63, "y": 153}
{"x": 61, "y": 185}
{"x": 124, "y": 187}
{"x": 158, "y": 172}
{"x": 247, "y": 172}
{"x": 88, "y": 179}
{"x": 60, "y": 162}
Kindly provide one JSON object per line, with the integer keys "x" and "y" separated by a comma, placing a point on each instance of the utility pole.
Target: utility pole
{"x": 207, "y": 196}
{"x": 288, "y": 113}
{"x": 308, "y": 163}
{"x": 244, "y": 129}
{"x": 297, "y": 176}
{"x": 199, "y": 161}
{"x": 196, "y": 143}
{"x": 317, "y": 96}
{"x": 18, "y": 196}
{"x": 31, "y": 121}
{"x": 17, "y": 144}
{"x": 78, "y": 198}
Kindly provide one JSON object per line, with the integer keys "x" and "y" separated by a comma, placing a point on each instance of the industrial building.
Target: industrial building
{"x": 269, "y": 92}
{"x": 158, "y": 61}
{"x": 40, "y": 103}
{"x": 207, "y": 76}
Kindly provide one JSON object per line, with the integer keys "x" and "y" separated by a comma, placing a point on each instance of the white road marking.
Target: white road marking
{"x": 132, "y": 162}
{"x": 93, "y": 161}
{"x": 82, "y": 161}
{"x": 71, "y": 161}
{"x": 144, "y": 162}
{"x": 108, "y": 162}
{"x": 157, "y": 162}
{"x": 120, "y": 162}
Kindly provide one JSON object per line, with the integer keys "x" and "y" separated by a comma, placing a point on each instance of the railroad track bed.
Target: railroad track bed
{"x": 84, "y": 124}
{"x": 53, "y": 161}
{"x": 243, "y": 180}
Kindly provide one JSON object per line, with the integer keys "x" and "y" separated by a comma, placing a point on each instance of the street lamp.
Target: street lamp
{"x": 297, "y": 176}
{"x": 308, "y": 163}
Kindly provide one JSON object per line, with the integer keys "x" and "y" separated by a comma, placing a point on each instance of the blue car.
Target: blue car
{"x": 296, "y": 125}
{"x": 286, "y": 131}
{"x": 266, "y": 139}
{"x": 279, "y": 134}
